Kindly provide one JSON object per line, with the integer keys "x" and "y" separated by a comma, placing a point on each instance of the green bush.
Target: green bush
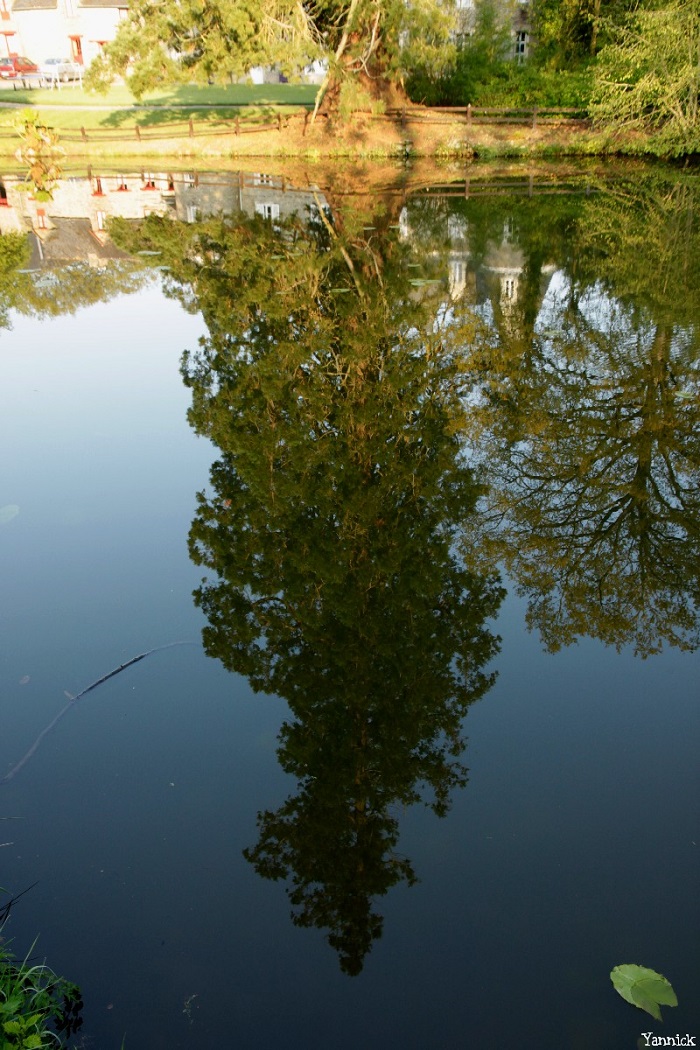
{"x": 530, "y": 85}
{"x": 502, "y": 83}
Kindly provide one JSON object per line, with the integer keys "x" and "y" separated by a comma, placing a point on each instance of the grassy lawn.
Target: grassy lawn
{"x": 119, "y": 109}
{"x": 187, "y": 95}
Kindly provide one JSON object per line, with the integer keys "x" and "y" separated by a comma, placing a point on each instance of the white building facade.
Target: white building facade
{"x": 74, "y": 29}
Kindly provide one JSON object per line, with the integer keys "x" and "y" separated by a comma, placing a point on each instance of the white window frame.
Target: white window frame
{"x": 269, "y": 210}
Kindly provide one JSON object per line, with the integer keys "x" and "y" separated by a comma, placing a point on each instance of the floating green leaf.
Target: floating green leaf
{"x": 644, "y": 988}
{"x": 8, "y": 512}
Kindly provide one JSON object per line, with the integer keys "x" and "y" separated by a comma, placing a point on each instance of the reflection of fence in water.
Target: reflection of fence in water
{"x": 465, "y": 189}
{"x": 506, "y": 187}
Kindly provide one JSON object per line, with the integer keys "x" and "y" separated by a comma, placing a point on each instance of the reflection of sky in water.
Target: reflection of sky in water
{"x": 98, "y": 460}
{"x": 570, "y": 850}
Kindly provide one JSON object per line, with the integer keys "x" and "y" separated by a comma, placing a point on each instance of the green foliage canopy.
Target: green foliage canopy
{"x": 648, "y": 76}
{"x": 364, "y": 41}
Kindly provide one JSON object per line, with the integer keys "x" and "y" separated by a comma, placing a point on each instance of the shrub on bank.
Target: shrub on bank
{"x": 502, "y": 83}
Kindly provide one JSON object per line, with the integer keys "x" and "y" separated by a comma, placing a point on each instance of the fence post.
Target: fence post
{"x": 238, "y": 126}
{"x": 469, "y": 115}
{"x": 306, "y": 121}
{"x": 83, "y": 134}
{"x": 138, "y": 132}
{"x": 279, "y": 121}
{"x": 191, "y": 128}
{"x": 403, "y": 116}
{"x": 534, "y": 117}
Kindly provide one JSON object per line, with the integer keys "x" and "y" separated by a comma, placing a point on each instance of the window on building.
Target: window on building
{"x": 76, "y": 47}
{"x": 101, "y": 218}
{"x": 191, "y": 212}
{"x": 268, "y": 211}
{"x": 521, "y": 41}
{"x": 262, "y": 180}
{"x": 190, "y": 180}
{"x": 459, "y": 271}
{"x": 456, "y": 227}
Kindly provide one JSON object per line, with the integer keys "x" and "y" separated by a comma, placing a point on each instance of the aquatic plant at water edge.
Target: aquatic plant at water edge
{"x": 37, "y": 1008}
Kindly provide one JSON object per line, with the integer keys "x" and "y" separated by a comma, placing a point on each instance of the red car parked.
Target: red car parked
{"x": 16, "y": 66}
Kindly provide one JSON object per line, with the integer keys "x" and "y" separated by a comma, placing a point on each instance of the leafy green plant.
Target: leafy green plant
{"x": 41, "y": 152}
{"x": 644, "y": 988}
{"x": 38, "y": 1010}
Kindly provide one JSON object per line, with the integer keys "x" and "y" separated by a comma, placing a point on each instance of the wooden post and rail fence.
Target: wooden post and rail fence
{"x": 467, "y": 116}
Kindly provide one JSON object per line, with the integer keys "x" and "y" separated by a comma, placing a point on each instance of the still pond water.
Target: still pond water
{"x": 415, "y": 477}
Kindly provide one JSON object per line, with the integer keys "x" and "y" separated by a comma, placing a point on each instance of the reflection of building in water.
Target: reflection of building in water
{"x": 500, "y": 275}
{"x": 496, "y": 278}
{"x": 93, "y": 200}
{"x": 87, "y": 203}
{"x": 70, "y": 240}
{"x": 460, "y": 279}
{"x": 253, "y": 193}
{"x": 501, "y": 281}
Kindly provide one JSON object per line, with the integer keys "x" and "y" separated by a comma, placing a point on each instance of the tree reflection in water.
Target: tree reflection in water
{"x": 351, "y": 544}
{"x": 331, "y": 529}
{"x": 588, "y": 421}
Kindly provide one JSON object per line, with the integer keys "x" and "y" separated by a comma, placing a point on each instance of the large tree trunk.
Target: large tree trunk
{"x": 375, "y": 86}
{"x": 359, "y": 60}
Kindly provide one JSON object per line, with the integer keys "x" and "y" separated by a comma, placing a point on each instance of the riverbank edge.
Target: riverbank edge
{"x": 361, "y": 138}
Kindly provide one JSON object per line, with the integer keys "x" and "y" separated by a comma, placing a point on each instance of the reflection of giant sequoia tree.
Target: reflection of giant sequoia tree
{"x": 332, "y": 394}
{"x": 592, "y": 421}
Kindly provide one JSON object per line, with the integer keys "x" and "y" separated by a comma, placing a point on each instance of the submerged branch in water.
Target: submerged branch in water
{"x": 93, "y": 685}
{"x": 5, "y": 909}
